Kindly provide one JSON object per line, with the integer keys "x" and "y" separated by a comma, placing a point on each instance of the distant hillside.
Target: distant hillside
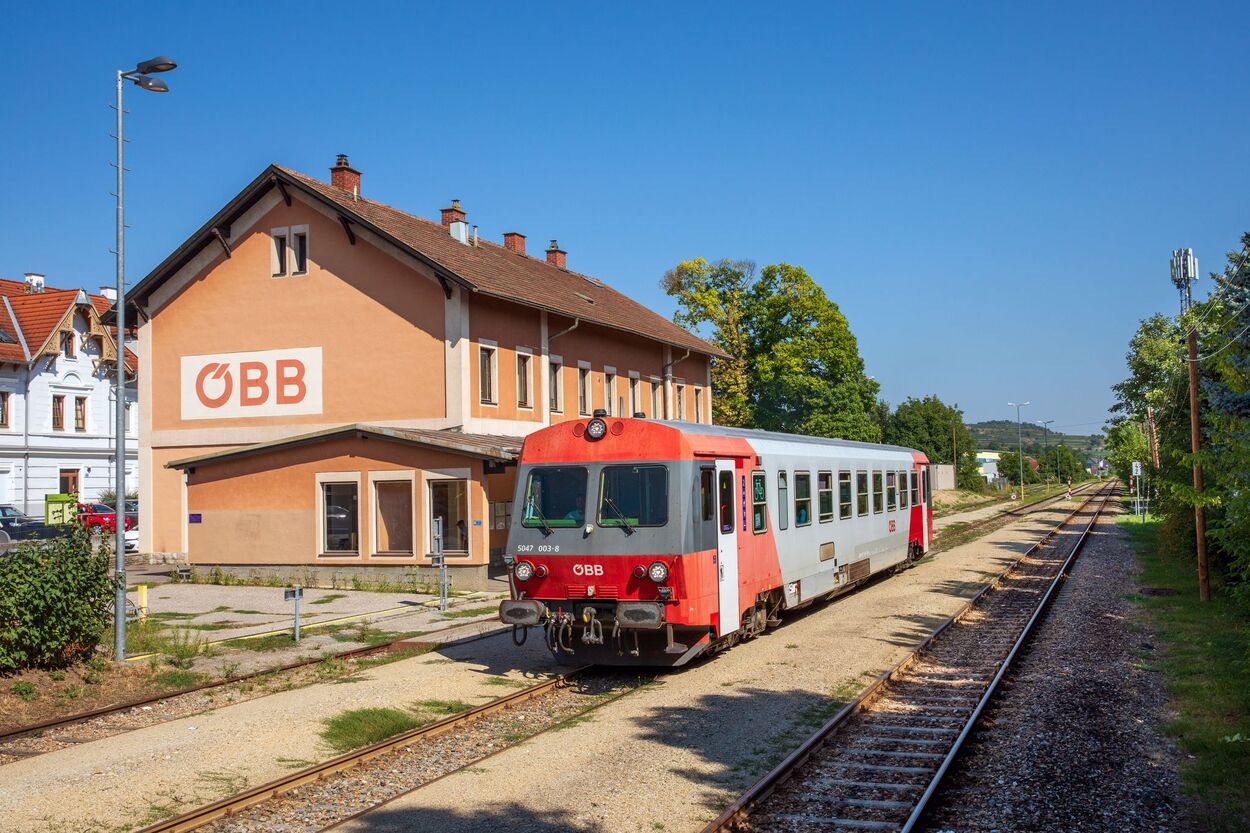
{"x": 1000, "y": 435}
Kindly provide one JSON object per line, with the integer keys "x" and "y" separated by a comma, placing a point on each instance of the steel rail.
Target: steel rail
{"x": 1018, "y": 512}
{"x": 738, "y": 811}
{"x": 263, "y": 792}
{"x": 354, "y": 653}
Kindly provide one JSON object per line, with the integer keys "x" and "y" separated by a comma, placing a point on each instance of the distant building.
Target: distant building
{"x": 56, "y": 396}
{"x": 988, "y": 463}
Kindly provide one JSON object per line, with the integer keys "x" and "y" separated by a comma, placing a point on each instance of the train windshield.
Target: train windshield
{"x": 631, "y": 496}
{"x": 555, "y": 496}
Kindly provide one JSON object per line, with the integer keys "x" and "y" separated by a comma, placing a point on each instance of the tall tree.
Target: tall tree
{"x": 931, "y": 426}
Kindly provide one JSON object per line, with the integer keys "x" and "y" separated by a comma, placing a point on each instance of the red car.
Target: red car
{"x": 100, "y": 517}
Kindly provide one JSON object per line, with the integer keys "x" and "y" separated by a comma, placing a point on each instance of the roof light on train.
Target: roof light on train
{"x": 524, "y": 571}
{"x": 596, "y": 428}
{"x": 658, "y": 572}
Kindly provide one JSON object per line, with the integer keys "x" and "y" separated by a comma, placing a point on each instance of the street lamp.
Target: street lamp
{"x": 1020, "y": 441}
{"x": 140, "y": 77}
{"x": 1045, "y": 423}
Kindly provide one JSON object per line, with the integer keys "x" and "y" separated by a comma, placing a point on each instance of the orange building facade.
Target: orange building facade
{"x": 328, "y": 374}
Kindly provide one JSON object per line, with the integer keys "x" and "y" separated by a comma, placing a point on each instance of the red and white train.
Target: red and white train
{"x": 642, "y": 542}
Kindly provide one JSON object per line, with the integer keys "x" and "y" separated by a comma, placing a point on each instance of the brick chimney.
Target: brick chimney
{"x": 453, "y": 213}
{"x": 555, "y": 255}
{"x": 514, "y": 241}
{"x": 344, "y": 176}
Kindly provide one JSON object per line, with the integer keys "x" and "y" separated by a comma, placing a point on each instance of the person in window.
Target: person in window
{"x": 462, "y": 535}
{"x": 801, "y": 515}
{"x": 578, "y": 513}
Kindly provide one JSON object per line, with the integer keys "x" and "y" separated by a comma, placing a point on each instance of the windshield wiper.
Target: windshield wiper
{"x": 611, "y": 504}
{"x": 535, "y": 512}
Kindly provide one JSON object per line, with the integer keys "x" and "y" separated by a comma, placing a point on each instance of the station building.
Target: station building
{"x": 326, "y": 374}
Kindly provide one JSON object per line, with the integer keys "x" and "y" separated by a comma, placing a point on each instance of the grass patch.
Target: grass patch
{"x": 175, "y": 678}
{"x": 443, "y": 707}
{"x": 179, "y": 645}
{"x": 273, "y": 642}
{"x": 325, "y": 600}
{"x": 468, "y": 612}
{"x": 361, "y": 727}
{"x": 1204, "y": 661}
{"x": 249, "y": 612}
{"x": 505, "y": 681}
{"x": 172, "y": 616}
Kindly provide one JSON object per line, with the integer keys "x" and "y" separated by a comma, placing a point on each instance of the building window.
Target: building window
{"x": 802, "y": 498}
{"x": 844, "y": 495}
{"x": 633, "y": 395}
{"x": 902, "y": 490}
{"x": 891, "y": 492}
{"x": 277, "y": 255}
{"x": 680, "y": 397}
{"x": 4, "y": 409}
{"x": 609, "y": 390}
{"x": 58, "y": 412}
{"x": 698, "y": 404}
{"x": 824, "y": 495}
{"x": 759, "y": 502}
{"x": 583, "y": 390}
{"x": 67, "y": 481}
{"x": 449, "y": 500}
{"x": 783, "y": 501}
{"x": 392, "y": 501}
{"x": 657, "y": 399}
{"x": 130, "y": 426}
{"x": 878, "y": 494}
{"x": 299, "y": 246}
{"x": 915, "y": 497}
{"x": 555, "y": 392}
{"x": 68, "y": 344}
{"x": 80, "y": 413}
{"x": 486, "y": 373}
{"x": 523, "y": 380}
{"x": 340, "y": 513}
{"x": 861, "y": 493}
{"x": 500, "y": 514}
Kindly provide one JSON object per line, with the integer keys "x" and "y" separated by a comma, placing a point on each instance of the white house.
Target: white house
{"x": 56, "y": 395}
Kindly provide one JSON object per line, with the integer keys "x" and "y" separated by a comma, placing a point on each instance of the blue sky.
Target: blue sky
{"x": 990, "y": 192}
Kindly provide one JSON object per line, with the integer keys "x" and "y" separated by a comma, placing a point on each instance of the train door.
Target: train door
{"x": 727, "y": 548}
{"x": 926, "y": 508}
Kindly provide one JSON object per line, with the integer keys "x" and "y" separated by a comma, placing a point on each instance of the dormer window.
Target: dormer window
{"x": 278, "y": 255}
{"x": 299, "y": 245}
{"x": 67, "y": 344}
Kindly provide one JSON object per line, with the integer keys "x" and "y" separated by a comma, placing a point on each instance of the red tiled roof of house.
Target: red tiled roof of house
{"x": 38, "y": 314}
{"x": 494, "y": 270}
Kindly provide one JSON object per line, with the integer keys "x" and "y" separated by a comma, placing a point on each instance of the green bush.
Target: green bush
{"x": 55, "y": 601}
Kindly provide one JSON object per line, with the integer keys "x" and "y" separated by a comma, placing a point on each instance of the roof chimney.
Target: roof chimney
{"x": 34, "y": 282}
{"x": 514, "y": 241}
{"x": 344, "y": 176}
{"x": 109, "y": 292}
{"x": 453, "y": 213}
{"x": 555, "y": 255}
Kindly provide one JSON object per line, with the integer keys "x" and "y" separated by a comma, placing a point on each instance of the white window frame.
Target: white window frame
{"x": 274, "y": 271}
{"x": 657, "y": 408}
{"x": 585, "y": 393}
{"x": 493, "y": 347}
{"x": 679, "y": 399}
{"x": 290, "y": 258}
{"x": 633, "y": 393}
{"x": 528, "y": 352}
{"x": 392, "y": 476}
{"x": 609, "y": 390}
{"x": 698, "y": 404}
{"x": 555, "y": 381}
{"x": 319, "y": 479}
{"x": 427, "y": 506}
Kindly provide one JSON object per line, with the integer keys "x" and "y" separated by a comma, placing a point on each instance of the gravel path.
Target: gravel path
{"x": 1072, "y": 743}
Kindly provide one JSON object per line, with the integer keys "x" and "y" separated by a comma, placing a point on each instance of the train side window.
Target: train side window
{"x": 783, "y": 501}
{"x": 726, "y": 502}
{"x": 759, "y": 502}
{"x": 878, "y": 496}
{"x": 915, "y": 490}
{"x": 902, "y": 490}
{"x": 861, "y": 493}
{"x": 802, "y": 498}
{"x": 844, "y": 495}
{"x": 707, "y": 495}
{"x": 925, "y": 494}
{"x": 891, "y": 491}
{"x": 824, "y": 495}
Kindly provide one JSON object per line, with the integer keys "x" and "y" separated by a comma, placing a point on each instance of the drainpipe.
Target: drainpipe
{"x": 26, "y": 443}
{"x": 667, "y": 371}
{"x": 576, "y": 321}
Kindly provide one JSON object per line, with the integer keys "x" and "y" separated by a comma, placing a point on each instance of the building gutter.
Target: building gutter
{"x": 576, "y": 322}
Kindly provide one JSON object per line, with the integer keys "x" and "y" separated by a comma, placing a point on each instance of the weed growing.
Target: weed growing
{"x": 361, "y": 727}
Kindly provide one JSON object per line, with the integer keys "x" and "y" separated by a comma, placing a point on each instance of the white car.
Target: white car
{"x": 132, "y": 540}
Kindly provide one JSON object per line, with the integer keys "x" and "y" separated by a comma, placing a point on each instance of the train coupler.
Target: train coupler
{"x": 592, "y": 634}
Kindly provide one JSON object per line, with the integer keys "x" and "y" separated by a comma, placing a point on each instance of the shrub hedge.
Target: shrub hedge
{"x": 55, "y": 601}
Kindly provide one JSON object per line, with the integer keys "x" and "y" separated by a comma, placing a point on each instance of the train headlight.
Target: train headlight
{"x": 595, "y": 429}
{"x": 658, "y": 572}
{"x": 524, "y": 571}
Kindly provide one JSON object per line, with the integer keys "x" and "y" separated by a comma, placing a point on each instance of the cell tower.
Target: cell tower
{"x": 1184, "y": 273}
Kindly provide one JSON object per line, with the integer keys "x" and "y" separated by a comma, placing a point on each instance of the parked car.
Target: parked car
{"x": 11, "y": 519}
{"x": 100, "y": 517}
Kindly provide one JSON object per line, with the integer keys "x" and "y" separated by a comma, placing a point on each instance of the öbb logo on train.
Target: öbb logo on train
{"x": 587, "y": 569}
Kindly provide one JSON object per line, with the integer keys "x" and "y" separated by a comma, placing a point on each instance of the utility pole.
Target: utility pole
{"x": 1184, "y": 273}
{"x": 1045, "y": 423}
{"x": 1020, "y": 443}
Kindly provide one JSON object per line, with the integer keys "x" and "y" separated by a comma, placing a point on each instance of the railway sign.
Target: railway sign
{"x": 294, "y": 594}
{"x": 1137, "y": 468}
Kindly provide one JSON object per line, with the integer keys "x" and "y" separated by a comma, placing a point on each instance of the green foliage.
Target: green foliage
{"x": 1009, "y": 467}
{"x": 55, "y": 601}
{"x": 361, "y": 727}
{"x": 930, "y": 425}
{"x": 109, "y": 495}
{"x": 794, "y": 366}
{"x": 24, "y": 689}
{"x": 1005, "y": 435}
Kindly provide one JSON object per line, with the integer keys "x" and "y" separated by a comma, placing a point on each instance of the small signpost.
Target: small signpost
{"x": 1138, "y": 490}
{"x": 295, "y": 594}
{"x": 439, "y": 560}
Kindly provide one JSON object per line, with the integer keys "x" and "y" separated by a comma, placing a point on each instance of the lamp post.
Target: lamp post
{"x": 1045, "y": 423}
{"x": 1020, "y": 443}
{"x": 140, "y": 76}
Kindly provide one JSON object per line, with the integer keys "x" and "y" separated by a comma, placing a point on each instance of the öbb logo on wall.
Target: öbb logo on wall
{"x": 261, "y": 383}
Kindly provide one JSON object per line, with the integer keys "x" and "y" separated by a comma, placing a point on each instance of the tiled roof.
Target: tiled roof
{"x": 38, "y": 314}
{"x": 494, "y": 270}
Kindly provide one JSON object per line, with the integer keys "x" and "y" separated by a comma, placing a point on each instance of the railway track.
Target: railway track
{"x": 48, "y": 736}
{"x": 878, "y": 762}
{"x": 961, "y": 533}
